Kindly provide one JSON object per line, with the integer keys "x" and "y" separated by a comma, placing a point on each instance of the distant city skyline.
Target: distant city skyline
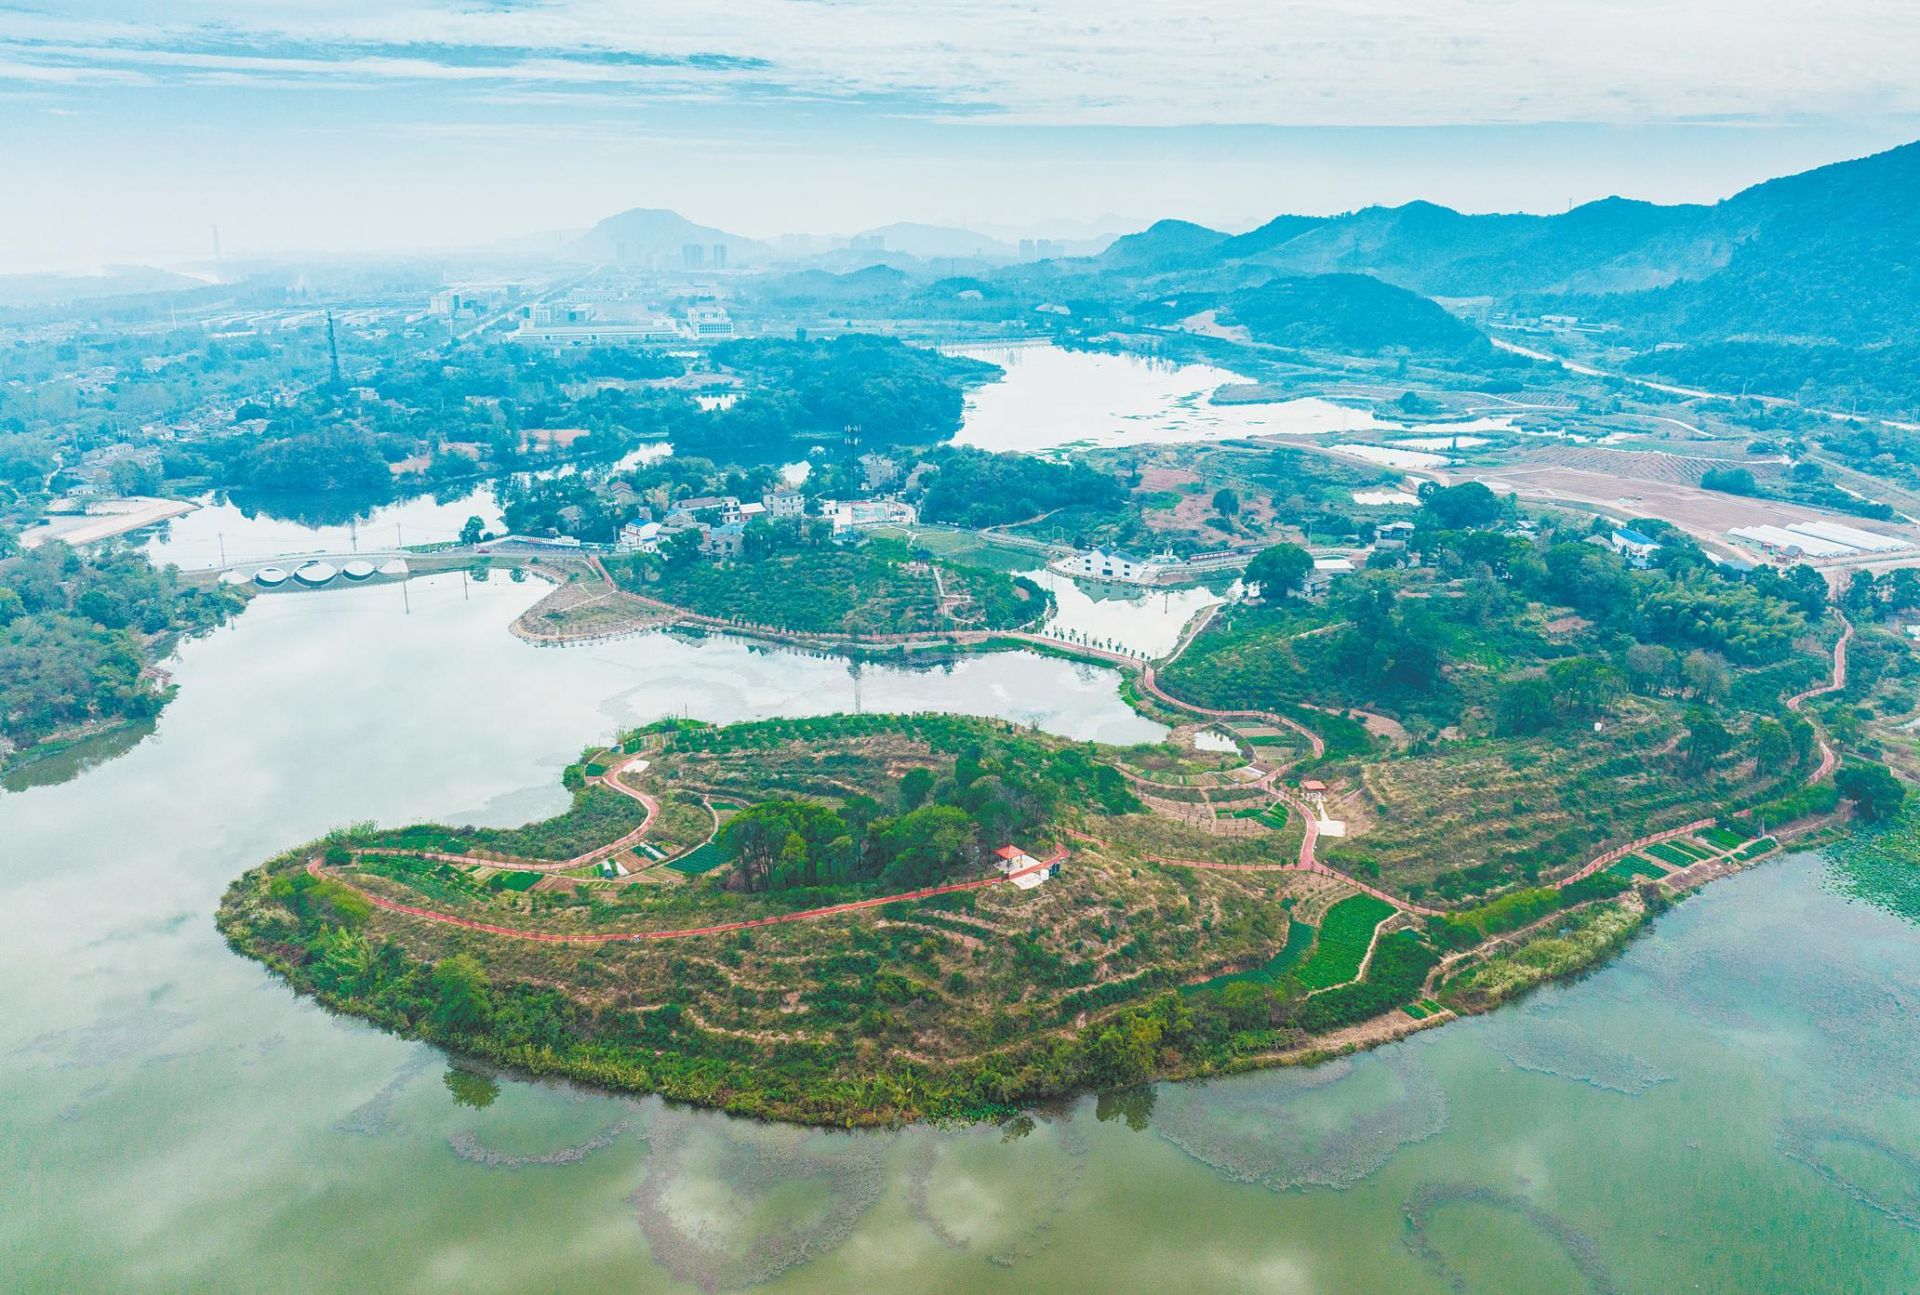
{"x": 357, "y": 127}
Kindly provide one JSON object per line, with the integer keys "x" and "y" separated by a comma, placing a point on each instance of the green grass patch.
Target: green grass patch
{"x": 514, "y": 881}
{"x": 1345, "y": 933}
{"x": 1299, "y": 940}
{"x": 701, "y": 859}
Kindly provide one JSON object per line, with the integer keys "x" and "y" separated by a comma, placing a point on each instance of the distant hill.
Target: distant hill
{"x": 114, "y": 281}
{"x": 1164, "y": 245}
{"x": 647, "y": 233}
{"x": 874, "y": 283}
{"x": 938, "y": 241}
{"x": 1353, "y": 313}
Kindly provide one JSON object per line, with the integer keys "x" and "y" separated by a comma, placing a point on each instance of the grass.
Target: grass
{"x": 433, "y": 878}
{"x": 1345, "y": 933}
{"x": 701, "y": 859}
{"x": 515, "y": 881}
{"x": 1299, "y": 940}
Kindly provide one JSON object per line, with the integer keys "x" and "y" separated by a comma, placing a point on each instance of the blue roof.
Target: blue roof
{"x": 1634, "y": 537}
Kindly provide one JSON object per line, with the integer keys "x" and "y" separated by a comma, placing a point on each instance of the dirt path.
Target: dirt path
{"x": 316, "y": 868}
{"x": 1827, "y": 757}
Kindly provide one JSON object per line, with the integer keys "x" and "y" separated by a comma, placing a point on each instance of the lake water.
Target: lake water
{"x": 1053, "y": 399}
{"x": 1146, "y": 622}
{"x": 1730, "y": 1107}
{"x": 198, "y": 539}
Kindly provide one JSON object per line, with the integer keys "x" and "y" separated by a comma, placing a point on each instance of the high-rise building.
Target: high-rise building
{"x": 693, "y": 256}
{"x": 719, "y": 256}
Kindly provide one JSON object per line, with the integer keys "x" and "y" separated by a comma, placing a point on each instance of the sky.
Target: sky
{"x": 130, "y": 129}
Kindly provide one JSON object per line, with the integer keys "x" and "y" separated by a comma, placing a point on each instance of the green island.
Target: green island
{"x": 1450, "y": 779}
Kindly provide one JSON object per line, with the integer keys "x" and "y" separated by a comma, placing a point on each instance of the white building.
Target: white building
{"x": 641, "y": 537}
{"x": 861, "y": 514}
{"x": 785, "y": 503}
{"x": 707, "y": 320}
{"x": 1125, "y": 568}
{"x": 638, "y": 332}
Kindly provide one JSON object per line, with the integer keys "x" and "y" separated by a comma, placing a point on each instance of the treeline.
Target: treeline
{"x": 874, "y": 390}
{"x": 791, "y": 576}
{"x": 79, "y": 635}
{"x": 1373, "y": 645}
{"x": 1000, "y": 789}
{"x": 970, "y": 487}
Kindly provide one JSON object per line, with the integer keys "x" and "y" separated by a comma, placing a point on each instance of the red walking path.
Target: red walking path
{"x": 315, "y": 868}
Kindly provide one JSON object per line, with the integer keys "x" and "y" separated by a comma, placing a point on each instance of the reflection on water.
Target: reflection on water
{"x": 1740, "y": 1080}
{"x": 226, "y": 530}
{"x": 1146, "y": 622}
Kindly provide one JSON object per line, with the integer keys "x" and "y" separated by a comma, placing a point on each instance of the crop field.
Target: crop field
{"x": 1345, "y": 934}
{"x": 701, "y": 859}
{"x": 1667, "y": 852}
{"x": 1723, "y": 838}
{"x": 1692, "y": 849}
{"x": 513, "y": 880}
{"x": 1635, "y": 868}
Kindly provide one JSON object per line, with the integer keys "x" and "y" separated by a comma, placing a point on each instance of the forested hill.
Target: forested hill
{"x": 1847, "y": 232}
{"x": 1354, "y": 314}
{"x": 1813, "y": 279}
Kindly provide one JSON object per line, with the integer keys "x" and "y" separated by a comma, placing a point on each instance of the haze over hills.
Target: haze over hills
{"x": 646, "y": 233}
{"x": 931, "y": 241}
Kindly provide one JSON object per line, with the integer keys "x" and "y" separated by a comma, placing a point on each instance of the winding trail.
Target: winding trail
{"x": 1827, "y": 757}
{"x": 316, "y": 868}
{"x": 610, "y": 779}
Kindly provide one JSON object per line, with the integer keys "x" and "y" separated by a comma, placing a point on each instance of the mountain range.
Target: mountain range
{"x": 1828, "y": 256}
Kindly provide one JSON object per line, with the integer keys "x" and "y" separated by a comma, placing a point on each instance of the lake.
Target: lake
{"x": 1729, "y": 1107}
{"x": 1054, "y": 399}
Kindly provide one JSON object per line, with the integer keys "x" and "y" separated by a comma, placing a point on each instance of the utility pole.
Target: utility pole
{"x": 333, "y": 349}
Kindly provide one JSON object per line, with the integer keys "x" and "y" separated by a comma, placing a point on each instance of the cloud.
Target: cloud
{"x": 1057, "y": 63}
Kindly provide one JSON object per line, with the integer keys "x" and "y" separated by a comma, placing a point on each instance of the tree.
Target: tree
{"x": 1707, "y": 738}
{"x": 1226, "y": 502}
{"x": 1651, "y": 668}
{"x": 1456, "y": 508}
{"x": 1523, "y": 706}
{"x": 462, "y": 1003}
{"x": 1731, "y": 481}
{"x": 1279, "y": 571}
{"x": 1584, "y": 688}
{"x": 915, "y": 786}
{"x": 1706, "y": 674}
{"x": 1876, "y": 794}
{"x": 1772, "y": 748}
{"x": 473, "y": 531}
